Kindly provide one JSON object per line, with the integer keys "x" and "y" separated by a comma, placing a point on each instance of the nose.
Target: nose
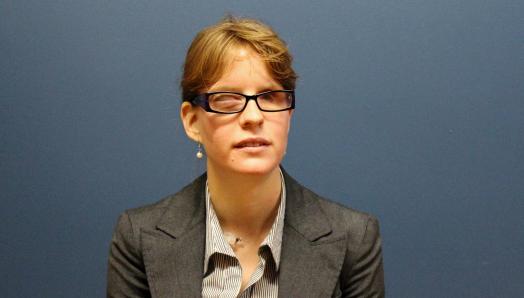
{"x": 251, "y": 115}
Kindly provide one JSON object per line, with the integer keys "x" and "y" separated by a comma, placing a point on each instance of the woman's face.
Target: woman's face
{"x": 249, "y": 142}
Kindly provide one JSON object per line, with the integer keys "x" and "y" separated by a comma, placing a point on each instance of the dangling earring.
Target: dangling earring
{"x": 199, "y": 153}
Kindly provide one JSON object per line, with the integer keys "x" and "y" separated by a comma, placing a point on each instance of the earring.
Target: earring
{"x": 199, "y": 153}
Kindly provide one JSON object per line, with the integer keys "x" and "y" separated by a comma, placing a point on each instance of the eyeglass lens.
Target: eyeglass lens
{"x": 232, "y": 102}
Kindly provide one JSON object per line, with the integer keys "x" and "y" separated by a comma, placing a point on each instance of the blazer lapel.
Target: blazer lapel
{"x": 174, "y": 251}
{"x": 311, "y": 256}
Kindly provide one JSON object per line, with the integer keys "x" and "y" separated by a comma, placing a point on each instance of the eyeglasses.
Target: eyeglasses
{"x": 232, "y": 102}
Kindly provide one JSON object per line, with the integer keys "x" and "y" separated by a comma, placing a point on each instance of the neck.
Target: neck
{"x": 246, "y": 205}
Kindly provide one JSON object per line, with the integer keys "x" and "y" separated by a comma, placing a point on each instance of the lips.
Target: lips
{"x": 252, "y": 143}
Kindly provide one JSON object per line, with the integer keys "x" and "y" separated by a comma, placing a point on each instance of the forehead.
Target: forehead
{"x": 244, "y": 67}
{"x": 243, "y": 58}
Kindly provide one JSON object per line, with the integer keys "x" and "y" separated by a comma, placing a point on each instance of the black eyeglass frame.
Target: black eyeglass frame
{"x": 202, "y": 101}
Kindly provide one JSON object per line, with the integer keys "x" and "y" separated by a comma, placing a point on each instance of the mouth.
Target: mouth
{"x": 252, "y": 143}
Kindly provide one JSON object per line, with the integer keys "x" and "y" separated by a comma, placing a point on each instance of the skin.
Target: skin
{"x": 244, "y": 182}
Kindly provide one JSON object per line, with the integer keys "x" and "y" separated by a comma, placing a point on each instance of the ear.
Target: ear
{"x": 188, "y": 115}
{"x": 290, "y": 117}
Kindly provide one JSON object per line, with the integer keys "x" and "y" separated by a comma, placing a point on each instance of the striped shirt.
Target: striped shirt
{"x": 222, "y": 271}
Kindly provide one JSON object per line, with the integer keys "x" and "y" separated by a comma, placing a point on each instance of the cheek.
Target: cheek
{"x": 215, "y": 136}
{"x": 281, "y": 131}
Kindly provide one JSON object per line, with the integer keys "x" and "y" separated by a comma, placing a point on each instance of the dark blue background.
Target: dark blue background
{"x": 410, "y": 110}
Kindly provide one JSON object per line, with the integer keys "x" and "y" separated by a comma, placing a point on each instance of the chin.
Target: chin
{"x": 256, "y": 167}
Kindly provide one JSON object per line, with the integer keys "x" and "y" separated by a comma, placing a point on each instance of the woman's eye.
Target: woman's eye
{"x": 221, "y": 98}
{"x": 267, "y": 97}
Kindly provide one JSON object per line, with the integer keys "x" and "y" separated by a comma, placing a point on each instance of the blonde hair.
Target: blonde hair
{"x": 207, "y": 55}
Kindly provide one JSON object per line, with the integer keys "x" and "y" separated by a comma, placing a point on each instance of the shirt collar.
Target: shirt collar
{"x": 216, "y": 242}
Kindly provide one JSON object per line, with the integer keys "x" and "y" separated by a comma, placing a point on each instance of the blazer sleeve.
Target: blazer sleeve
{"x": 126, "y": 275}
{"x": 363, "y": 274}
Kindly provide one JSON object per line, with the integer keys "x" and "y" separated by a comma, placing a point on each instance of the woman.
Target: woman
{"x": 246, "y": 228}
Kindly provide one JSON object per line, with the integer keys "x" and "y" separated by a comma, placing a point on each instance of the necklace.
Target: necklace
{"x": 233, "y": 240}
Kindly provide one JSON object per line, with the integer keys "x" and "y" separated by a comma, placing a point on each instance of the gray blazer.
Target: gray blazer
{"x": 327, "y": 251}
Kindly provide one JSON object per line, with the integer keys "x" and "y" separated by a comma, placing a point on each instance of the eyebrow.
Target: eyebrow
{"x": 226, "y": 88}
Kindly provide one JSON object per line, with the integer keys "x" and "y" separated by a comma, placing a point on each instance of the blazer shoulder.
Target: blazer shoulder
{"x": 179, "y": 204}
{"x": 345, "y": 213}
{"x": 363, "y": 273}
{"x": 344, "y": 220}
{"x": 147, "y": 216}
